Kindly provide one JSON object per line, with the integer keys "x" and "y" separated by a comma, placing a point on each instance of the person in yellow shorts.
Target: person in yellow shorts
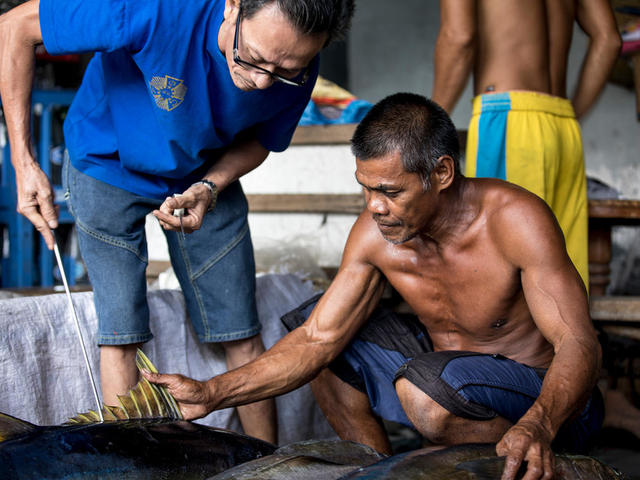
{"x": 533, "y": 140}
{"x": 523, "y": 129}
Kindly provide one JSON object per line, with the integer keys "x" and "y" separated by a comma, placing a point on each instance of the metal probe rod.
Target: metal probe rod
{"x": 56, "y": 251}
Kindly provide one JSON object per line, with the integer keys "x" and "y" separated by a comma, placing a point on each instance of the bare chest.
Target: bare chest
{"x": 465, "y": 299}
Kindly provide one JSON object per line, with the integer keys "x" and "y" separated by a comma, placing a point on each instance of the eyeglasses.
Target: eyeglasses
{"x": 303, "y": 77}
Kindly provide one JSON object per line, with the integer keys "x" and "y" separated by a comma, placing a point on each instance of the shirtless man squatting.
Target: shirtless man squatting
{"x": 502, "y": 348}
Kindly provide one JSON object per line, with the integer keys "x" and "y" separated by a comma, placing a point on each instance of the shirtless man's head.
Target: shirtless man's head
{"x": 418, "y": 132}
{"x": 413, "y": 125}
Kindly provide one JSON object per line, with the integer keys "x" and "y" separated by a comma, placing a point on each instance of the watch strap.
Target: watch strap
{"x": 213, "y": 189}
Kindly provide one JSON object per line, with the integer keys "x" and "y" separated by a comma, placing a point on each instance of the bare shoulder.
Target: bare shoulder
{"x": 507, "y": 202}
{"x": 364, "y": 242}
{"x": 521, "y": 223}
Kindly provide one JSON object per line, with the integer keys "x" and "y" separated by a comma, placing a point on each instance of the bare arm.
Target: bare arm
{"x": 299, "y": 356}
{"x": 242, "y": 157}
{"x": 558, "y": 303}
{"x": 453, "y": 57}
{"x": 596, "y": 18}
{"x": 19, "y": 34}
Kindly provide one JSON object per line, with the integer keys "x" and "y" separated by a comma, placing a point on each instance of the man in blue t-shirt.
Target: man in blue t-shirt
{"x": 179, "y": 101}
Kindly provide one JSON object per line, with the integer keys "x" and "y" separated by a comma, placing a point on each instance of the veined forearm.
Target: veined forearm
{"x": 289, "y": 364}
{"x": 568, "y": 382}
{"x": 17, "y": 62}
{"x": 300, "y": 355}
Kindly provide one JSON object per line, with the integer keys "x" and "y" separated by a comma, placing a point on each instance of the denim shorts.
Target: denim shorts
{"x": 214, "y": 265}
{"x": 471, "y": 385}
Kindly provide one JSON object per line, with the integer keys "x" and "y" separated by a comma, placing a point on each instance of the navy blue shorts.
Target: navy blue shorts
{"x": 472, "y": 385}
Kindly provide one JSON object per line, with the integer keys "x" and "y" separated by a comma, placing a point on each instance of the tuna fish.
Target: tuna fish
{"x": 144, "y": 437}
{"x": 308, "y": 460}
{"x": 474, "y": 462}
{"x": 333, "y": 460}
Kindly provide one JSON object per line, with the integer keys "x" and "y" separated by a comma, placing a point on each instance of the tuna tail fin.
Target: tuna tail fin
{"x": 11, "y": 427}
{"x": 145, "y": 400}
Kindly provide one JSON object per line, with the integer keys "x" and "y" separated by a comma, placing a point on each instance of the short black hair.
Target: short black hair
{"x": 413, "y": 125}
{"x": 310, "y": 16}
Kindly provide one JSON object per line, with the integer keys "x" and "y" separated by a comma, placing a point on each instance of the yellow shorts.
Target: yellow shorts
{"x": 533, "y": 140}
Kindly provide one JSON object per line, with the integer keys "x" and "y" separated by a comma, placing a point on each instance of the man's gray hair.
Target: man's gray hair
{"x": 411, "y": 124}
{"x": 310, "y": 16}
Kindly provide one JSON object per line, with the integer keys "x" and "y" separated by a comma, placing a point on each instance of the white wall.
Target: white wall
{"x": 300, "y": 169}
{"x": 304, "y": 169}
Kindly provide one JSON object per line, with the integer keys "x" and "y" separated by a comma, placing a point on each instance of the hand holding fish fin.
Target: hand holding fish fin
{"x": 143, "y": 363}
{"x": 145, "y": 400}
{"x": 193, "y": 396}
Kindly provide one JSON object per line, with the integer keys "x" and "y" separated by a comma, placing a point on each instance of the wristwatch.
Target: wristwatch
{"x": 213, "y": 189}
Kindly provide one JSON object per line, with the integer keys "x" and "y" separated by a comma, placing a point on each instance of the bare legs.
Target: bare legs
{"x": 349, "y": 413}
{"x": 439, "y": 425}
{"x": 258, "y": 419}
{"x": 118, "y": 371}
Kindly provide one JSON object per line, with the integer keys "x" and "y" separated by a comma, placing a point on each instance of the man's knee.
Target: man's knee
{"x": 239, "y": 352}
{"x": 430, "y": 418}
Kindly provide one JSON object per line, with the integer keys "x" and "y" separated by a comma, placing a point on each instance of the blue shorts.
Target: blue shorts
{"x": 215, "y": 265}
{"x": 470, "y": 385}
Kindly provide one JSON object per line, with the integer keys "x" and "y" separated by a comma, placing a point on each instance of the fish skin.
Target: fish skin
{"x": 307, "y": 460}
{"x": 144, "y": 437}
{"x": 132, "y": 449}
{"x": 473, "y": 462}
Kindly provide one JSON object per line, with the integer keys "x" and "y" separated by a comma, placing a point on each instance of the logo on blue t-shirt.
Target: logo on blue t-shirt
{"x": 167, "y": 91}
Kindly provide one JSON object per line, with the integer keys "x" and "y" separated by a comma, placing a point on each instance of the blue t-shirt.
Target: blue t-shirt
{"x": 157, "y": 103}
